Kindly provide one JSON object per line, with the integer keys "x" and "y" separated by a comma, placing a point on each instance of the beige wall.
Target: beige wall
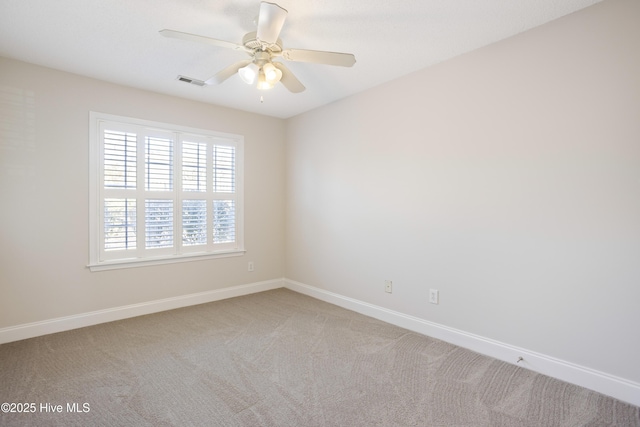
{"x": 44, "y": 247}
{"x": 507, "y": 178}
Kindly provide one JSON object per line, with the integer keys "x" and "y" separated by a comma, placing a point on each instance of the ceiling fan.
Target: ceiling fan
{"x": 263, "y": 46}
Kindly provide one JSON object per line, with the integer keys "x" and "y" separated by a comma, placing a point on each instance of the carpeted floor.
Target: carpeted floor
{"x": 278, "y": 358}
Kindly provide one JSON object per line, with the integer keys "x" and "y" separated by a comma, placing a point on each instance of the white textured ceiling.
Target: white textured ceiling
{"x": 118, "y": 41}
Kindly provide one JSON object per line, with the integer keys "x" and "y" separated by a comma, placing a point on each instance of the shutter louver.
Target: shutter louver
{"x": 158, "y": 223}
{"x": 119, "y": 160}
{"x": 224, "y": 221}
{"x": 194, "y": 166}
{"x": 224, "y": 177}
{"x": 119, "y": 224}
{"x": 159, "y": 164}
{"x": 194, "y": 222}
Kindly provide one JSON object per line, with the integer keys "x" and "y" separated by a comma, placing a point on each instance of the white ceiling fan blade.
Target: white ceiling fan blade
{"x": 201, "y": 39}
{"x": 270, "y": 22}
{"x": 288, "y": 79}
{"x": 320, "y": 57}
{"x": 224, "y": 74}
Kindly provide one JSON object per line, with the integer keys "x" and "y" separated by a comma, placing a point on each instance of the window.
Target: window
{"x": 162, "y": 193}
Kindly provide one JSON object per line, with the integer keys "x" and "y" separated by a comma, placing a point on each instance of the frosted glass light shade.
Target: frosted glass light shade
{"x": 271, "y": 73}
{"x": 248, "y": 74}
{"x": 263, "y": 83}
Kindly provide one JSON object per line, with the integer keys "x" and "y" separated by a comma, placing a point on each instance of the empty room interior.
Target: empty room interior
{"x": 385, "y": 239}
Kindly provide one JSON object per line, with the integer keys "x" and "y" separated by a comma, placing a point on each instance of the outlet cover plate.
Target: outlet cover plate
{"x": 434, "y": 296}
{"x": 388, "y": 286}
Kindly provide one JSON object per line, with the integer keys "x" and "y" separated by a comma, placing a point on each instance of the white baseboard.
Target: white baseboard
{"x": 619, "y": 388}
{"x": 60, "y": 324}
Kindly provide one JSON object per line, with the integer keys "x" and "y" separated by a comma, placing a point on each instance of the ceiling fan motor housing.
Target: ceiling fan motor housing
{"x": 250, "y": 41}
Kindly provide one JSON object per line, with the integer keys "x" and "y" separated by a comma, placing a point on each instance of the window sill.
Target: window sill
{"x": 137, "y": 262}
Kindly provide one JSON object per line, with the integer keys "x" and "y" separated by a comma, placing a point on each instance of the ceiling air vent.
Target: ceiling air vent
{"x": 191, "y": 81}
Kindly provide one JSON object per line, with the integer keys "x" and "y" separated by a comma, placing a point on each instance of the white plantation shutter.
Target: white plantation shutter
{"x": 119, "y": 224}
{"x": 162, "y": 193}
{"x": 158, "y": 172}
{"x": 194, "y": 166}
{"x": 158, "y": 221}
{"x": 194, "y": 179}
{"x": 194, "y": 222}
{"x": 120, "y": 173}
{"x": 119, "y": 159}
{"x": 224, "y": 183}
{"x": 224, "y": 221}
{"x": 224, "y": 169}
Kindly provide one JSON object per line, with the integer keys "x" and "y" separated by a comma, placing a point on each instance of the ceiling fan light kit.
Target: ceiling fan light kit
{"x": 262, "y": 46}
{"x": 262, "y": 68}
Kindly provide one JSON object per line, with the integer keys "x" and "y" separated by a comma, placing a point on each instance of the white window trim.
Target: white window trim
{"x": 95, "y": 192}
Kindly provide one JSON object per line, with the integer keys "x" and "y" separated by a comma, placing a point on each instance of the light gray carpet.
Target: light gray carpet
{"x": 279, "y": 358}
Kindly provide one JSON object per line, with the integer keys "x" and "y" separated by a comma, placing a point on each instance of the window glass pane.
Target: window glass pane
{"x": 224, "y": 162}
{"x": 158, "y": 216}
{"x": 194, "y": 222}
{"x": 194, "y": 166}
{"x": 224, "y": 221}
{"x": 159, "y": 164}
{"x": 119, "y": 159}
{"x": 119, "y": 224}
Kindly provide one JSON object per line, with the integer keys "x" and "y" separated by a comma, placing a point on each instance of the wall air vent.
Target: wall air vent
{"x": 191, "y": 81}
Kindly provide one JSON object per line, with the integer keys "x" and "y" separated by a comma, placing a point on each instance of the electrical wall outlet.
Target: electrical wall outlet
{"x": 388, "y": 286}
{"x": 434, "y": 296}
{"x": 250, "y": 266}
